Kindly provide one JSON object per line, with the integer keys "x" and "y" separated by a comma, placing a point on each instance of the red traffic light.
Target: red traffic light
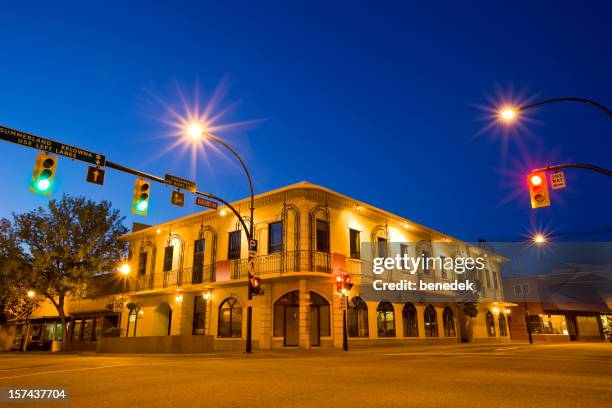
{"x": 538, "y": 189}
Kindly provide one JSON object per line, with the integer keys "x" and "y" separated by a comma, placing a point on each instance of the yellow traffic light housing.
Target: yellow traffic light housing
{"x": 140, "y": 201}
{"x": 44, "y": 174}
{"x": 538, "y": 189}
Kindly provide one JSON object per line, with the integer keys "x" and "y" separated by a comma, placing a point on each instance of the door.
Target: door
{"x": 292, "y": 327}
{"x": 315, "y": 333}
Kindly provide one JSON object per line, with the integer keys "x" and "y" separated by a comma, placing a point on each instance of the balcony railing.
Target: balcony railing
{"x": 292, "y": 261}
{"x": 172, "y": 279}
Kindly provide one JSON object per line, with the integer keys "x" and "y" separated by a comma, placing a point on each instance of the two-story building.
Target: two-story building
{"x": 188, "y": 277}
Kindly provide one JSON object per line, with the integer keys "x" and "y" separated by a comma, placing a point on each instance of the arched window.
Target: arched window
{"x": 448, "y": 321}
{"x": 409, "y": 316}
{"x": 503, "y": 329}
{"x": 230, "y": 318}
{"x": 286, "y": 318}
{"x": 358, "y": 318}
{"x": 431, "y": 321}
{"x": 385, "y": 319}
{"x": 490, "y": 324}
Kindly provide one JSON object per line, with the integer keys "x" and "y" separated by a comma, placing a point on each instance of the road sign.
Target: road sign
{"x": 557, "y": 180}
{"x": 48, "y": 145}
{"x": 179, "y": 182}
{"x": 206, "y": 203}
{"x": 178, "y": 198}
{"x": 95, "y": 175}
{"x": 253, "y": 245}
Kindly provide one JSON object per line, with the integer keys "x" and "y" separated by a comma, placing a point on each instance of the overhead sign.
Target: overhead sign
{"x": 95, "y": 175}
{"x": 179, "y": 182}
{"x": 206, "y": 203}
{"x": 48, "y": 145}
{"x": 178, "y": 198}
{"x": 557, "y": 180}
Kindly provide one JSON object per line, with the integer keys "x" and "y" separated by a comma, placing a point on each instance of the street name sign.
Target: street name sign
{"x": 48, "y": 145}
{"x": 557, "y": 180}
{"x": 95, "y": 175}
{"x": 206, "y": 203}
{"x": 179, "y": 182}
{"x": 178, "y": 198}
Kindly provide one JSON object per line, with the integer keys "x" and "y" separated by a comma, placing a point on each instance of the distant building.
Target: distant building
{"x": 565, "y": 305}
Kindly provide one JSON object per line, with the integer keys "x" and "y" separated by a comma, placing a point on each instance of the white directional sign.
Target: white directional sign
{"x": 557, "y": 180}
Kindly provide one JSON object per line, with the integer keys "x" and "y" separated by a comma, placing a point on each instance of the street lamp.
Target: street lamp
{"x": 509, "y": 114}
{"x": 31, "y": 294}
{"x": 196, "y": 131}
{"x": 125, "y": 269}
{"x": 539, "y": 238}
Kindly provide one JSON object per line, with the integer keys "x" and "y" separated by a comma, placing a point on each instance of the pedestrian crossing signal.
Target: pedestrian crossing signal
{"x": 44, "y": 174}
{"x": 140, "y": 202}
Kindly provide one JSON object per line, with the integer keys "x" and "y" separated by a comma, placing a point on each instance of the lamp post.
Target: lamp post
{"x": 196, "y": 131}
{"x": 509, "y": 114}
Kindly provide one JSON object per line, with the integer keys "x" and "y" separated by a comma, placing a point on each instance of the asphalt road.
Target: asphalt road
{"x": 564, "y": 375}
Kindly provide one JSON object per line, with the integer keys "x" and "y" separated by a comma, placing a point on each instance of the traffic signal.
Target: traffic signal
{"x": 44, "y": 173}
{"x": 255, "y": 286}
{"x": 538, "y": 189}
{"x": 343, "y": 283}
{"x": 140, "y": 202}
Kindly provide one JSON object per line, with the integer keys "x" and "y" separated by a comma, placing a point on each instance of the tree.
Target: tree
{"x": 70, "y": 242}
{"x": 15, "y": 276}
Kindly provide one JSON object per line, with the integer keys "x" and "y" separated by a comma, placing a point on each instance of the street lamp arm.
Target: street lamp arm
{"x": 244, "y": 167}
{"x": 579, "y": 166}
{"x": 568, "y": 99}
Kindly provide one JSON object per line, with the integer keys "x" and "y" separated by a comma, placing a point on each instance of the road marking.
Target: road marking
{"x": 64, "y": 371}
{"x": 36, "y": 366}
{"x": 518, "y": 358}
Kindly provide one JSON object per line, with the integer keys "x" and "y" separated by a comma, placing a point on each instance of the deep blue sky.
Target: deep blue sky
{"x": 376, "y": 102}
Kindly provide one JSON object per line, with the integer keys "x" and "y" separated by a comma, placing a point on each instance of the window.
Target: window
{"x": 87, "y": 329}
{"x": 403, "y": 250}
{"x": 409, "y": 316}
{"x": 495, "y": 284}
{"x": 357, "y": 317}
{"x": 198, "y": 261}
{"x": 142, "y": 263}
{"x": 319, "y": 307}
{"x": 275, "y": 237}
{"x": 382, "y": 247}
{"x": 199, "y": 314}
{"x": 355, "y": 243}
{"x": 385, "y": 320}
{"x": 525, "y": 289}
{"x": 76, "y": 333}
{"x": 168, "y": 254}
{"x": 442, "y": 268}
{"x": 448, "y": 322}
{"x": 286, "y": 317}
{"x": 490, "y": 325}
{"x": 322, "y": 236}
{"x": 431, "y": 322}
{"x": 503, "y": 329}
{"x": 488, "y": 277}
{"x": 517, "y": 289}
{"x": 230, "y": 318}
{"x": 233, "y": 251}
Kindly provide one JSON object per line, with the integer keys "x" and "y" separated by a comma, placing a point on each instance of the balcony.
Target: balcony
{"x": 278, "y": 263}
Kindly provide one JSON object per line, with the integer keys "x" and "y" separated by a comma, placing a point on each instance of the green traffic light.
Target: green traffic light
{"x": 43, "y": 185}
{"x": 142, "y": 206}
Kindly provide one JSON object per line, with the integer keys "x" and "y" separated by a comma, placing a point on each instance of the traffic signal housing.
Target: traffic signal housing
{"x": 343, "y": 283}
{"x": 44, "y": 174}
{"x": 140, "y": 202}
{"x": 538, "y": 189}
{"x": 255, "y": 286}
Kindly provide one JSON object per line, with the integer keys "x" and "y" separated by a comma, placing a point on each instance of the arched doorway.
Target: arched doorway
{"x": 287, "y": 318}
{"x": 319, "y": 319}
{"x": 163, "y": 320}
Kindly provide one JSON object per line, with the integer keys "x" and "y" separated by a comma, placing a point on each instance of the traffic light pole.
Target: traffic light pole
{"x": 344, "y": 331}
{"x": 577, "y": 165}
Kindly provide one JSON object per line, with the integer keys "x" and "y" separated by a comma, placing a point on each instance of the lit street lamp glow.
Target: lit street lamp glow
{"x": 31, "y": 294}
{"x": 125, "y": 269}
{"x": 508, "y": 114}
{"x": 539, "y": 238}
{"x": 194, "y": 131}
